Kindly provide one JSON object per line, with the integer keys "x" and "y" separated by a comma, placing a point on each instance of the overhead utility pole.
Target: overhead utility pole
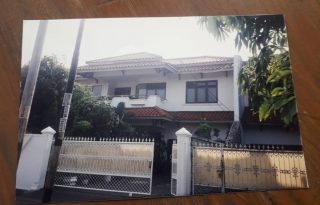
{"x": 30, "y": 84}
{"x": 55, "y": 150}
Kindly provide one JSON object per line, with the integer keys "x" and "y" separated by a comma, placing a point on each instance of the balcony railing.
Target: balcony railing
{"x": 172, "y": 104}
{"x": 137, "y": 101}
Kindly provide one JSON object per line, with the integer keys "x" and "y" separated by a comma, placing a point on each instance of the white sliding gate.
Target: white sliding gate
{"x": 230, "y": 167}
{"x": 117, "y": 165}
{"x": 244, "y": 168}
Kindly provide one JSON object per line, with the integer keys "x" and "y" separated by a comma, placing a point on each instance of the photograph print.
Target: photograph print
{"x": 123, "y": 108}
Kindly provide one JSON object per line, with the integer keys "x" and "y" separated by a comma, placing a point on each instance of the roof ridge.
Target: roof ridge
{"x": 193, "y": 57}
{"x": 124, "y": 55}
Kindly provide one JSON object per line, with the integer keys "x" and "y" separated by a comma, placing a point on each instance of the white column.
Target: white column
{"x": 236, "y": 68}
{"x": 183, "y": 162}
{"x": 105, "y": 87}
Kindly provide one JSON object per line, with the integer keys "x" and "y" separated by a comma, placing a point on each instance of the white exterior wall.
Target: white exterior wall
{"x": 33, "y": 162}
{"x": 176, "y": 92}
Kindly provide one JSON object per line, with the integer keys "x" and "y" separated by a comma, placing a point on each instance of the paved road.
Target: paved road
{"x": 160, "y": 187}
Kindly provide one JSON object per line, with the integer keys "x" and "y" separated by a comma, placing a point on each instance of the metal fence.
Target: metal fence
{"x": 219, "y": 168}
{"x": 112, "y": 164}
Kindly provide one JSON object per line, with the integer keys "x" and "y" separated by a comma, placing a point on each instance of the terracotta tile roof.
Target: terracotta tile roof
{"x": 201, "y": 116}
{"x": 148, "y": 112}
{"x": 156, "y": 112}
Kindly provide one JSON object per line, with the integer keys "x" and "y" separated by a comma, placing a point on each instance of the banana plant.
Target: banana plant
{"x": 266, "y": 78}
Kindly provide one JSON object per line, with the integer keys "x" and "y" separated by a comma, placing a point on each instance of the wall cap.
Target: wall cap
{"x": 183, "y": 131}
{"x": 48, "y": 130}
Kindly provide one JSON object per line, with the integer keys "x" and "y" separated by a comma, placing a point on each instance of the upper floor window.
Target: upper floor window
{"x": 202, "y": 92}
{"x": 96, "y": 89}
{"x": 125, "y": 91}
{"x": 147, "y": 89}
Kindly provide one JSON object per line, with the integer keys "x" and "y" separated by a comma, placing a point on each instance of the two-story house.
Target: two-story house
{"x": 168, "y": 93}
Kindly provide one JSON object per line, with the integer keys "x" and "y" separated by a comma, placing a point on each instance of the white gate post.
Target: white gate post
{"x": 183, "y": 162}
{"x": 48, "y": 133}
{"x": 34, "y": 160}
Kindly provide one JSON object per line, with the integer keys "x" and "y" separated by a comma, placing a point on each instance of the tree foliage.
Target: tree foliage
{"x": 48, "y": 95}
{"x": 271, "y": 93}
{"x": 266, "y": 78}
{"x": 89, "y": 115}
{"x": 205, "y": 130}
{"x": 253, "y": 32}
{"x": 92, "y": 116}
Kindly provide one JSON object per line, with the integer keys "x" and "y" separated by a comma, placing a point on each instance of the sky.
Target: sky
{"x": 169, "y": 37}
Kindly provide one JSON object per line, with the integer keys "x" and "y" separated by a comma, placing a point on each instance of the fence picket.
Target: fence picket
{"x": 248, "y": 167}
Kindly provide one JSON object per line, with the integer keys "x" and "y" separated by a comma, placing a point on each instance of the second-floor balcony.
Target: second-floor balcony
{"x": 169, "y": 105}
{"x": 132, "y": 101}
